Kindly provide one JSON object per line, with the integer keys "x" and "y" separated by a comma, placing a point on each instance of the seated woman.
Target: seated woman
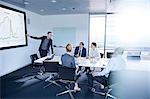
{"x": 94, "y": 54}
{"x": 69, "y": 61}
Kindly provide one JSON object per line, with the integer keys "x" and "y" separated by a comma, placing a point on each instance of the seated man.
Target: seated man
{"x": 116, "y": 63}
{"x": 69, "y": 61}
{"x": 80, "y": 51}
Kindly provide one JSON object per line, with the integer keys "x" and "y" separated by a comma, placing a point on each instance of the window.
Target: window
{"x": 128, "y": 27}
{"x": 97, "y": 30}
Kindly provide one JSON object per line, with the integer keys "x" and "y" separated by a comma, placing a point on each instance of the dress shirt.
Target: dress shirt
{"x": 94, "y": 53}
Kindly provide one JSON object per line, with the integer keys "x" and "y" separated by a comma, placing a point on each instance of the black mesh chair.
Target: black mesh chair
{"x": 38, "y": 66}
{"x": 112, "y": 80}
{"x": 67, "y": 76}
{"x": 33, "y": 58}
{"x": 38, "y": 69}
{"x": 52, "y": 69}
{"x": 109, "y": 54}
{"x": 101, "y": 55}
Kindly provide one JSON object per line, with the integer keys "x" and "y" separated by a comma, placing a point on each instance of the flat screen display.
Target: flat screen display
{"x": 12, "y": 28}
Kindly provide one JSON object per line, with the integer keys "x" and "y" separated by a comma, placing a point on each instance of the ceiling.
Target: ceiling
{"x": 55, "y": 7}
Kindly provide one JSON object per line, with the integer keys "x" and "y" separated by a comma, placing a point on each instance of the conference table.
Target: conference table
{"x": 54, "y": 59}
{"x": 83, "y": 62}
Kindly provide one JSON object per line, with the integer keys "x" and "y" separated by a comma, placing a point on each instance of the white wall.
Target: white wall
{"x": 13, "y": 59}
{"x": 79, "y": 21}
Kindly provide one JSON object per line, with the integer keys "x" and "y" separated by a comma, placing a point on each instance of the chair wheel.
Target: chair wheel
{"x": 93, "y": 89}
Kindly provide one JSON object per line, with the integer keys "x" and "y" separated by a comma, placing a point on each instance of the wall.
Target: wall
{"x": 15, "y": 58}
{"x": 79, "y": 21}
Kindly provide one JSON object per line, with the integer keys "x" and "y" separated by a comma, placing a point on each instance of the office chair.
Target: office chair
{"x": 111, "y": 81}
{"x": 102, "y": 55}
{"x": 52, "y": 68}
{"x": 66, "y": 75}
{"x": 109, "y": 54}
{"x": 37, "y": 66}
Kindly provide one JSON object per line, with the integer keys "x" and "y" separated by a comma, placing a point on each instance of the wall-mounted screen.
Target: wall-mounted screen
{"x": 12, "y": 28}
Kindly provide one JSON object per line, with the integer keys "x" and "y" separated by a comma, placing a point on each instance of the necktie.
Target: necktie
{"x": 80, "y": 52}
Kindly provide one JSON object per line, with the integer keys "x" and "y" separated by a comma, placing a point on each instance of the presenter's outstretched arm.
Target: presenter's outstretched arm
{"x": 34, "y": 37}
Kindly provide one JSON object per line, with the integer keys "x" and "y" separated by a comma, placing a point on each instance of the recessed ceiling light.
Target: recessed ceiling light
{"x": 26, "y": 2}
{"x": 53, "y": 1}
{"x": 42, "y": 10}
{"x": 63, "y": 9}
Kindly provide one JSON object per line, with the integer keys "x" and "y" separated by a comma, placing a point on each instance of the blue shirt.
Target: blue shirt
{"x": 68, "y": 60}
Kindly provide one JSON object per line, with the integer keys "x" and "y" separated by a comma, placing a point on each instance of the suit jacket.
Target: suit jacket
{"x": 68, "y": 60}
{"x": 50, "y": 43}
{"x": 83, "y": 54}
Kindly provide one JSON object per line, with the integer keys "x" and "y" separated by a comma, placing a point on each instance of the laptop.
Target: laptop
{"x": 50, "y": 58}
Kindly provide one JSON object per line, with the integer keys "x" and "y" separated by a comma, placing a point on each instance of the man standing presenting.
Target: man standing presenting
{"x": 46, "y": 43}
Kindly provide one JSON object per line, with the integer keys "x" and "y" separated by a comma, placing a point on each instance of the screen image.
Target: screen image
{"x": 12, "y": 28}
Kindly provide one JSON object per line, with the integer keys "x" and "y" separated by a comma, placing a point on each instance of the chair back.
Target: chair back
{"x": 109, "y": 54}
{"x": 51, "y": 67}
{"x": 101, "y": 55}
{"x": 66, "y": 73}
{"x": 114, "y": 77}
{"x": 33, "y": 57}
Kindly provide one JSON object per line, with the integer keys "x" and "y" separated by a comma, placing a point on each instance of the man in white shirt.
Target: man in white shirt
{"x": 116, "y": 63}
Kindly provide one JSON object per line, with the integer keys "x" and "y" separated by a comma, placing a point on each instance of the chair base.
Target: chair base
{"x": 104, "y": 94}
{"x": 34, "y": 77}
{"x": 52, "y": 82}
{"x": 49, "y": 79}
{"x": 67, "y": 91}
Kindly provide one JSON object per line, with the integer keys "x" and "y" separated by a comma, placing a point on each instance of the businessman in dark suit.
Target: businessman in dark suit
{"x": 46, "y": 43}
{"x": 80, "y": 51}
